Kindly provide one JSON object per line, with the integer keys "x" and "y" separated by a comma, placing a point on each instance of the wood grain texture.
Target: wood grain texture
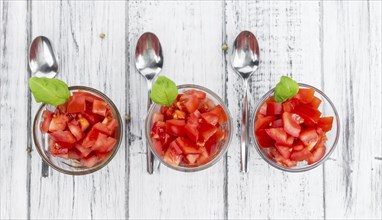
{"x": 335, "y": 46}
{"x": 288, "y": 35}
{"x": 352, "y": 75}
{"x": 190, "y": 34}
{"x": 85, "y": 59}
{"x": 13, "y": 111}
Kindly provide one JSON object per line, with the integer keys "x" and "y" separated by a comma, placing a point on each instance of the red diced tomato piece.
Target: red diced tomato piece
{"x": 192, "y": 158}
{"x": 76, "y": 130}
{"x": 219, "y": 111}
{"x": 210, "y": 118}
{"x": 279, "y": 135}
{"x": 99, "y": 107}
{"x": 64, "y": 138}
{"x": 175, "y": 127}
{"x": 47, "y": 118}
{"x": 181, "y": 115}
{"x": 74, "y": 154}
{"x": 172, "y": 156}
{"x": 290, "y": 104}
{"x": 198, "y": 94}
{"x": 84, "y": 124}
{"x": 192, "y": 132}
{"x": 274, "y": 108}
{"x": 301, "y": 155}
{"x": 83, "y": 150}
{"x": 90, "y": 161}
{"x": 187, "y": 146}
{"x": 88, "y": 97}
{"x": 157, "y": 117}
{"x": 104, "y": 143}
{"x": 206, "y": 105}
{"x": 290, "y": 125}
{"x": 57, "y": 150}
{"x": 101, "y": 128}
{"x": 263, "y": 109}
{"x": 317, "y": 154}
{"x": 285, "y": 151}
{"x": 308, "y": 113}
{"x": 298, "y": 147}
{"x": 325, "y": 123}
{"x": 90, "y": 138}
{"x": 315, "y": 103}
{"x": 261, "y": 123}
{"x": 111, "y": 125}
{"x": 158, "y": 146}
{"x": 190, "y": 102}
{"x": 58, "y": 123}
{"x": 264, "y": 139}
{"x": 76, "y": 104}
{"x": 309, "y": 137}
{"x": 277, "y": 123}
{"x": 91, "y": 117}
{"x": 205, "y": 132}
{"x": 305, "y": 95}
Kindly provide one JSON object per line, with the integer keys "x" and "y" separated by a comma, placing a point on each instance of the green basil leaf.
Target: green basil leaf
{"x": 164, "y": 91}
{"x": 285, "y": 89}
{"x": 49, "y": 91}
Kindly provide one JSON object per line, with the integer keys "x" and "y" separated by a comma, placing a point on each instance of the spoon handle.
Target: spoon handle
{"x": 243, "y": 144}
{"x": 149, "y": 154}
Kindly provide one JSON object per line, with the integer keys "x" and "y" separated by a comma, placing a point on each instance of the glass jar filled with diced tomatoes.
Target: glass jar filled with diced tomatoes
{"x": 193, "y": 133}
{"x": 297, "y": 134}
{"x": 81, "y": 135}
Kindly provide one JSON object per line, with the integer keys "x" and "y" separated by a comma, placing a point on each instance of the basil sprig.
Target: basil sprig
{"x": 285, "y": 89}
{"x": 49, "y": 91}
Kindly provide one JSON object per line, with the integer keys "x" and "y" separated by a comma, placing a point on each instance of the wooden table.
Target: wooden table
{"x": 335, "y": 46}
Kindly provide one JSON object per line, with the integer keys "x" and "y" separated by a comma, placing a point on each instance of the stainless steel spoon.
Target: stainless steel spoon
{"x": 149, "y": 62}
{"x": 42, "y": 63}
{"x": 245, "y": 61}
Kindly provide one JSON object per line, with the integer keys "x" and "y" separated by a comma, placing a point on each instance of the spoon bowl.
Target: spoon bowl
{"x": 245, "y": 61}
{"x": 42, "y": 59}
{"x": 149, "y": 62}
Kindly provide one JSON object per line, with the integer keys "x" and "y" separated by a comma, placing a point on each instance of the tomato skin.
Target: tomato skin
{"x": 317, "y": 155}
{"x": 325, "y": 123}
{"x": 190, "y": 102}
{"x": 210, "y": 118}
{"x": 187, "y": 146}
{"x": 285, "y": 151}
{"x": 309, "y": 137}
{"x": 47, "y": 118}
{"x": 290, "y": 104}
{"x": 264, "y": 139}
{"x": 301, "y": 155}
{"x": 205, "y": 132}
{"x": 315, "y": 103}
{"x": 64, "y": 138}
{"x": 76, "y": 130}
{"x": 290, "y": 125}
{"x": 206, "y": 106}
{"x": 99, "y": 107}
{"x": 198, "y": 94}
{"x": 76, "y": 104}
{"x": 274, "y": 108}
{"x": 264, "y": 122}
{"x": 58, "y": 123}
{"x": 192, "y": 132}
{"x": 279, "y": 135}
{"x": 308, "y": 113}
{"x": 88, "y": 96}
{"x": 175, "y": 127}
{"x": 218, "y": 110}
{"x": 305, "y": 95}
{"x": 173, "y": 154}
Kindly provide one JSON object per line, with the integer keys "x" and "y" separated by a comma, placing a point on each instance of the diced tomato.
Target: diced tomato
{"x": 76, "y": 104}
{"x": 290, "y": 125}
{"x": 308, "y": 113}
{"x": 57, "y": 149}
{"x": 187, "y": 146}
{"x": 64, "y": 138}
{"x": 219, "y": 111}
{"x": 158, "y": 131}
{"x": 101, "y": 128}
{"x": 219, "y": 135}
{"x": 84, "y": 150}
{"x": 309, "y": 137}
{"x": 263, "y": 109}
{"x": 158, "y": 146}
{"x": 111, "y": 125}
{"x": 74, "y": 154}
{"x": 157, "y": 117}
{"x": 99, "y": 107}
{"x": 285, "y": 151}
{"x": 205, "y": 132}
{"x": 90, "y": 161}
{"x": 264, "y": 139}
{"x": 179, "y": 115}
{"x": 198, "y": 94}
{"x": 104, "y": 143}
{"x": 90, "y": 138}
{"x": 58, "y": 123}
{"x": 192, "y": 132}
{"x": 175, "y": 127}
{"x": 172, "y": 157}
{"x": 325, "y": 123}
{"x": 203, "y": 159}
{"x": 206, "y": 105}
{"x": 298, "y": 147}
{"x": 290, "y": 104}
{"x": 279, "y": 135}
{"x": 88, "y": 97}
{"x": 91, "y": 117}
{"x": 84, "y": 124}
{"x": 47, "y": 118}
{"x": 103, "y": 156}
{"x": 317, "y": 155}
{"x": 277, "y": 123}
{"x": 305, "y": 95}
{"x": 264, "y": 122}
{"x": 301, "y": 155}
{"x": 210, "y": 118}
{"x": 192, "y": 158}
{"x": 190, "y": 102}
{"x": 194, "y": 118}
{"x": 76, "y": 130}
{"x": 274, "y": 108}
{"x": 315, "y": 103}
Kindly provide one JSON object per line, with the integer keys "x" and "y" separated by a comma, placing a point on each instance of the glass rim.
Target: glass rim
{"x": 92, "y": 169}
{"x": 217, "y": 157}
{"x": 302, "y": 169}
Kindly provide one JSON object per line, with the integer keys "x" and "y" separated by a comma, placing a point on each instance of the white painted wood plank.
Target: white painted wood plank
{"x": 85, "y": 59}
{"x": 13, "y": 111}
{"x": 352, "y": 74}
{"x": 288, "y": 34}
{"x": 190, "y": 33}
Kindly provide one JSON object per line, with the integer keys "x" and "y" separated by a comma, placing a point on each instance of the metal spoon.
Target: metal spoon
{"x": 149, "y": 62}
{"x": 42, "y": 63}
{"x": 245, "y": 61}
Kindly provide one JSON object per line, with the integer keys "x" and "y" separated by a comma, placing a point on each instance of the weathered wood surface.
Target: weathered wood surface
{"x": 335, "y": 46}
